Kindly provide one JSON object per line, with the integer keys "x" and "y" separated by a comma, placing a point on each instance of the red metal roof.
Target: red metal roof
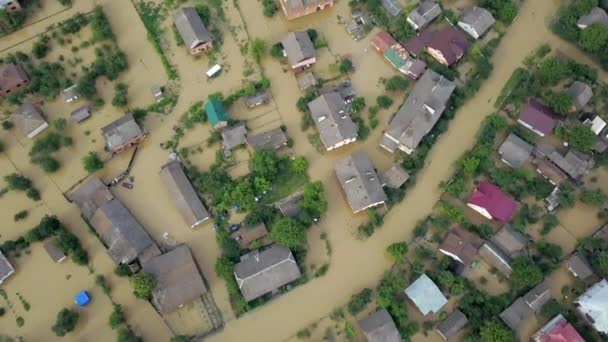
{"x": 382, "y": 41}
{"x": 563, "y": 331}
{"x": 500, "y": 205}
{"x": 539, "y": 117}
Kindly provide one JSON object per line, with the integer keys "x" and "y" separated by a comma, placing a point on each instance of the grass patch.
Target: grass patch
{"x": 152, "y": 18}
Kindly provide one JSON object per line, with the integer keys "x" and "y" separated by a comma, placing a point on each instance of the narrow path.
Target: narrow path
{"x": 356, "y": 264}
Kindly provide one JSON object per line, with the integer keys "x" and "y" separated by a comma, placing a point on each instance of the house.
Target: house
{"x": 270, "y": 140}
{"x": 557, "y": 330}
{"x": 289, "y": 206}
{"x": 217, "y": 115}
{"x": 382, "y": 41}
{"x": 423, "y": 14}
{"x": 192, "y": 30}
{"x": 597, "y": 124}
{"x": 182, "y": 194}
{"x": 294, "y": 9}
{"x": 12, "y": 77}
{"x": 233, "y": 137}
{"x": 452, "y": 325}
{"x": 247, "y": 235}
{"x": 91, "y": 195}
{"x": 418, "y": 44}
{"x": 125, "y": 238}
{"x": 551, "y": 172}
{"x": 30, "y": 120}
{"x": 343, "y": 88}
{"x": 380, "y": 327}
{"x": 360, "y": 182}
{"x": 392, "y": 7}
{"x": 581, "y": 94}
{"x": 538, "y": 118}
{"x": 419, "y": 114}
{"x": 578, "y": 265}
{"x": 476, "y": 21}
{"x": 591, "y": 305}
{"x": 516, "y": 314}
{"x": 574, "y": 164}
{"x": 158, "y": 93}
{"x": 80, "y": 114}
{"x": 448, "y": 45}
{"x": 53, "y": 251}
{"x": 10, "y": 6}
{"x": 299, "y": 50}
{"x": 460, "y": 245}
{"x": 122, "y": 134}
{"x": 510, "y": 241}
{"x": 356, "y": 25}
{"x": 538, "y": 296}
{"x": 6, "y": 269}
{"x": 596, "y": 16}
{"x": 178, "y": 280}
{"x": 394, "y": 177}
{"x": 492, "y": 203}
{"x": 426, "y": 295}
{"x": 399, "y": 58}
{"x": 333, "y": 121}
{"x": 257, "y": 99}
{"x": 259, "y": 273}
{"x": 496, "y": 258}
{"x": 552, "y": 201}
{"x": 69, "y": 94}
{"x": 515, "y": 151}
{"x": 306, "y": 80}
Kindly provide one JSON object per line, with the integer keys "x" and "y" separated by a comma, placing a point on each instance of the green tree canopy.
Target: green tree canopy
{"x": 300, "y": 165}
{"x": 265, "y": 164}
{"x": 560, "y": 102}
{"x": 552, "y": 70}
{"x": 143, "y": 284}
{"x": 594, "y": 38}
{"x": 92, "y": 162}
{"x": 258, "y": 49}
{"x": 313, "y": 199}
{"x": 66, "y": 321}
{"x": 525, "y": 274}
{"x": 224, "y": 267}
{"x": 117, "y": 317}
{"x": 493, "y": 331}
{"x": 289, "y": 233}
{"x": 595, "y": 197}
{"x": 398, "y": 250}
{"x": 396, "y": 83}
{"x": 345, "y": 65}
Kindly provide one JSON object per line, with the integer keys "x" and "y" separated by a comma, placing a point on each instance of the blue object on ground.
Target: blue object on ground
{"x": 82, "y": 298}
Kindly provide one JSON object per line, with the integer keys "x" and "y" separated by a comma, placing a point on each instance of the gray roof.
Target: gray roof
{"x": 478, "y": 18}
{"x": 233, "y": 136}
{"x": 581, "y": 93}
{"x": 332, "y": 119}
{"x": 298, "y": 47}
{"x": 455, "y": 322}
{"x": 592, "y": 304}
{"x": 256, "y": 99}
{"x": 510, "y": 241}
{"x": 53, "y": 251}
{"x": 380, "y": 327}
{"x": 579, "y": 266}
{"x": 80, "y": 114}
{"x": 394, "y": 177}
{"x": 359, "y": 181}
{"x": 6, "y": 269}
{"x": 514, "y": 151}
{"x": 289, "y": 206}
{"x": 125, "y": 238}
{"x": 178, "y": 280}
{"x": 596, "y": 16}
{"x": 538, "y": 296}
{"x": 259, "y": 273}
{"x": 29, "y": 118}
{"x": 183, "y": 194}
{"x": 270, "y": 140}
{"x": 574, "y": 163}
{"x": 495, "y": 258}
{"x": 427, "y": 297}
{"x": 306, "y": 80}
{"x": 516, "y": 314}
{"x": 191, "y": 27}
{"x": 121, "y": 131}
{"x": 424, "y": 13}
{"x": 297, "y": 5}
{"x": 420, "y": 112}
{"x": 393, "y": 7}
{"x": 69, "y": 93}
{"x": 90, "y": 196}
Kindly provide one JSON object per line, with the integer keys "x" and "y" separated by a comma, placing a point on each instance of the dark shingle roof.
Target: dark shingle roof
{"x": 191, "y": 27}
{"x": 581, "y": 93}
{"x": 538, "y": 296}
{"x": 539, "y": 117}
{"x": 380, "y": 327}
{"x": 510, "y": 241}
{"x": 121, "y": 131}
{"x": 455, "y": 322}
{"x": 478, "y": 18}
{"x": 579, "y": 266}
{"x": 461, "y": 243}
{"x": 515, "y": 151}
{"x": 271, "y": 140}
{"x": 91, "y": 195}
{"x": 516, "y": 314}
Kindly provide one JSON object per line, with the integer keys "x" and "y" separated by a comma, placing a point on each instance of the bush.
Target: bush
{"x": 289, "y": 233}
{"x": 345, "y": 66}
{"x": 17, "y": 182}
{"x": 396, "y": 83}
{"x": 126, "y": 335}
{"x": 270, "y": 7}
{"x": 33, "y": 194}
{"x": 122, "y": 271}
{"x": 92, "y": 162}
{"x": 100, "y": 281}
{"x": 120, "y": 98}
{"x": 595, "y": 198}
{"x": 66, "y": 322}
{"x": 100, "y": 25}
{"x": 21, "y": 215}
{"x": 384, "y": 101}
{"x": 117, "y": 317}
{"x": 398, "y": 250}
{"x": 359, "y": 301}
{"x": 41, "y": 47}
{"x": 7, "y": 125}
{"x": 143, "y": 284}
{"x": 258, "y": 49}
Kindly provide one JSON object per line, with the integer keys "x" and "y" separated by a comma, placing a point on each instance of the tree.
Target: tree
{"x": 493, "y": 331}
{"x": 313, "y": 199}
{"x": 60, "y": 124}
{"x": 289, "y": 233}
{"x": 602, "y": 264}
{"x": 276, "y": 50}
{"x": 100, "y": 25}
{"x": 470, "y": 165}
{"x": 126, "y": 335}
{"x": 224, "y": 267}
{"x": 92, "y": 162}
{"x": 242, "y": 195}
{"x": 265, "y": 164}
{"x": 258, "y": 49}
{"x": 345, "y": 65}
{"x": 595, "y": 198}
{"x": 143, "y": 284}
{"x": 560, "y": 102}
{"x": 525, "y": 274}
{"x": 445, "y": 280}
{"x": 456, "y": 187}
{"x": 270, "y": 7}
{"x": 357, "y": 105}
{"x": 566, "y": 197}
{"x": 261, "y": 185}
{"x": 122, "y": 270}
{"x": 120, "y": 98}
{"x": 17, "y": 182}
{"x": 359, "y": 301}
{"x": 300, "y": 165}
{"x": 396, "y": 83}
{"x": 66, "y": 321}
{"x": 41, "y": 47}
{"x": 48, "y": 164}
{"x": 384, "y": 101}
{"x": 398, "y": 250}
{"x": 33, "y": 194}
{"x": 581, "y": 137}
{"x": 552, "y": 70}
{"x": 117, "y": 317}
{"x": 594, "y": 38}
{"x": 550, "y": 251}
{"x": 312, "y": 34}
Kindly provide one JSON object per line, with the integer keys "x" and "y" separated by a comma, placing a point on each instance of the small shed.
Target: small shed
{"x": 257, "y": 99}
{"x": 306, "y": 81}
{"x": 157, "y": 92}
{"x": 82, "y": 299}
{"x": 70, "y": 94}
{"x": 81, "y": 114}
{"x": 53, "y": 251}
{"x": 394, "y": 177}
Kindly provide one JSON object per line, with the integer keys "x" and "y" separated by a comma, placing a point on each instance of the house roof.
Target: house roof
{"x": 11, "y": 75}
{"x": 538, "y": 296}
{"x": 289, "y": 206}
{"x": 299, "y": 5}
{"x": 53, "y": 251}
{"x": 451, "y": 42}
{"x": 418, "y": 43}
{"x": 256, "y": 99}
{"x": 69, "y": 93}
{"x": 421, "y": 111}
{"x": 90, "y": 196}
{"x": 394, "y": 177}
{"x": 183, "y": 194}
{"x": 455, "y": 322}
{"x": 359, "y": 181}
{"x": 270, "y": 140}
{"x": 398, "y": 56}
{"x": 380, "y": 327}
{"x": 216, "y": 112}
{"x": 80, "y": 114}
{"x": 602, "y": 233}
{"x": 539, "y": 117}
{"x": 125, "y": 238}
{"x": 597, "y": 124}
{"x": 581, "y": 93}
{"x": 551, "y": 171}
{"x": 382, "y": 41}
{"x": 558, "y": 330}
{"x": 515, "y": 151}
{"x": 392, "y": 7}
{"x": 6, "y": 269}
{"x": 234, "y": 136}
{"x": 579, "y": 266}
{"x": 574, "y": 163}
{"x": 424, "y": 13}
{"x": 332, "y": 119}
{"x": 499, "y": 205}
{"x": 461, "y": 243}
{"x": 191, "y": 27}
{"x": 510, "y": 241}
{"x": 121, "y": 131}
{"x": 29, "y": 118}
{"x": 178, "y": 280}
{"x": 595, "y": 16}
{"x": 592, "y": 304}
{"x": 246, "y": 235}
{"x": 306, "y": 80}
{"x": 427, "y": 297}
{"x": 478, "y": 18}
{"x": 298, "y": 47}
{"x": 495, "y": 258}
{"x": 259, "y": 273}
{"x": 516, "y": 314}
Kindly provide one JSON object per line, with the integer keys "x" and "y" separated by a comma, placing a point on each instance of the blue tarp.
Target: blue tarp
{"x": 82, "y": 298}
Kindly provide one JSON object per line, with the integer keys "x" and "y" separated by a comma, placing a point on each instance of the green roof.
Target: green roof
{"x": 215, "y": 112}
{"x": 394, "y": 58}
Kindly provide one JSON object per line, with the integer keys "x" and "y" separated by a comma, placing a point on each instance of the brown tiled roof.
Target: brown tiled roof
{"x": 12, "y": 75}
{"x": 461, "y": 243}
